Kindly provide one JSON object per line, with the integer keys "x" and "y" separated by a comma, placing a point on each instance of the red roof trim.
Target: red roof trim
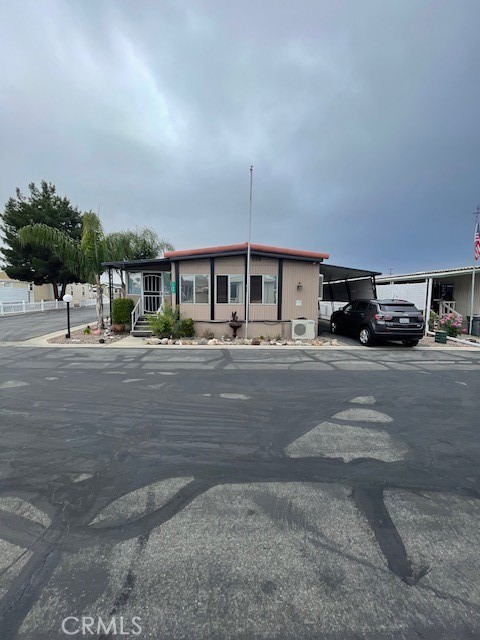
{"x": 243, "y": 247}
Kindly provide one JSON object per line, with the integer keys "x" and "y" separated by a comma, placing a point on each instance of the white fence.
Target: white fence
{"x": 7, "y": 308}
{"x": 327, "y": 307}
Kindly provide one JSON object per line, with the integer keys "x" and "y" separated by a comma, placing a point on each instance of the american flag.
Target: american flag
{"x": 477, "y": 241}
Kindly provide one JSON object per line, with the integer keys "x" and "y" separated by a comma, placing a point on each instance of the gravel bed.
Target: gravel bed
{"x": 78, "y": 337}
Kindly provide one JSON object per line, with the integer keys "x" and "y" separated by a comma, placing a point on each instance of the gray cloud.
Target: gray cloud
{"x": 361, "y": 119}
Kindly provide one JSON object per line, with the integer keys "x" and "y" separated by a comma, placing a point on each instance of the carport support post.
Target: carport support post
{"x": 110, "y": 291}
{"x": 429, "y": 303}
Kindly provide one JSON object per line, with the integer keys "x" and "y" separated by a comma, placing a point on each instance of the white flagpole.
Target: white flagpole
{"x": 247, "y": 304}
{"x": 472, "y": 295}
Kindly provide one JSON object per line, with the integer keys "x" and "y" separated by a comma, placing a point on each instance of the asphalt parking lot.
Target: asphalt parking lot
{"x": 240, "y": 494}
{"x": 22, "y": 326}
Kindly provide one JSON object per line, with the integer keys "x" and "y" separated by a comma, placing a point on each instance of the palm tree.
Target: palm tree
{"x": 95, "y": 247}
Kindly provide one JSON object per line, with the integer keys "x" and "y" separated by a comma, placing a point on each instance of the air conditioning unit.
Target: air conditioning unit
{"x": 303, "y": 329}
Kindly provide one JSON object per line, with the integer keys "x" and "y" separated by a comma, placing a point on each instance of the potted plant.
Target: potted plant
{"x": 121, "y": 313}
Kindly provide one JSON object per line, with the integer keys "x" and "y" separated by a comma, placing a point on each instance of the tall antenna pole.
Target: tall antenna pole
{"x": 247, "y": 305}
{"x": 472, "y": 295}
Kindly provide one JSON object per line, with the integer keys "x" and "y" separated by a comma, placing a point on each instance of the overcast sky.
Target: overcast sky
{"x": 361, "y": 118}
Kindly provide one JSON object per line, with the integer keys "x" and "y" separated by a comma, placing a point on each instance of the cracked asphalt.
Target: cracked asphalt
{"x": 239, "y": 494}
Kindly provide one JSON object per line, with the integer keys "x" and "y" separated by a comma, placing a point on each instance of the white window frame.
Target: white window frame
{"x": 129, "y": 293}
{"x": 230, "y": 275}
{"x": 194, "y": 276}
{"x": 263, "y": 275}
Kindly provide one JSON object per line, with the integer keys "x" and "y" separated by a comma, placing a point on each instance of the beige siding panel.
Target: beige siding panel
{"x": 230, "y": 266}
{"x": 263, "y": 311}
{"x": 192, "y": 267}
{"x": 234, "y": 265}
{"x": 462, "y": 290}
{"x": 224, "y": 311}
{"x": 195, "y": 311}
{"x": 264, "y": 266}
{"x": 307, "y": 274}
{"x": 255, "y": 329}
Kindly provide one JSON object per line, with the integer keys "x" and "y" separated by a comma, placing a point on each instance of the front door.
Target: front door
{"x": 152, "y": 292}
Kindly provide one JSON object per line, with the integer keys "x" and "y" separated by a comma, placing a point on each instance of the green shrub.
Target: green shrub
{"x": 188, "y": 328}
{"x": 122, "y": 310}
{"x": 167, "y": 324}
{"x": 433, "y": 320}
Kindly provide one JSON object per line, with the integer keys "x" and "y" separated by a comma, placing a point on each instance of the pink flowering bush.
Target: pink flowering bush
{"x": 452, "y": 324}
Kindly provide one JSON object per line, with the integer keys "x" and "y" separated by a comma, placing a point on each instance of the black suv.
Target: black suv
{"x": 371, "y": 320}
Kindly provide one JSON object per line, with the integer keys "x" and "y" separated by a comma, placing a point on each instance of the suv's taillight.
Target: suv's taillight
{"x": 382, "y": 316}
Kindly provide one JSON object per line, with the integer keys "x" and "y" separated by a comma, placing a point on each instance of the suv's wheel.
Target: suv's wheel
{"x": 333, "y": 326}
{"x": 409, "y": 343}
{"x": 365, "y": 336}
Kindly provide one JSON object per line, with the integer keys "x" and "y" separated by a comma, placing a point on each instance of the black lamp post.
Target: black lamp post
{"x": 68, "y": 299}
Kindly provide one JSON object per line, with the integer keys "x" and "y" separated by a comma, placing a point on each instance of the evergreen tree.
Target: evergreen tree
{"x": 29, "y": 262}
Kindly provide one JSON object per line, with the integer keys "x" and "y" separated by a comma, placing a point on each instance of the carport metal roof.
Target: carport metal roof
{"x": 334, "y": 273}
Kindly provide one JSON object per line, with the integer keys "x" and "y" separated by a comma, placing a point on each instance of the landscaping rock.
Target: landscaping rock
{"x": 170, "y": 341}
{"x": 202, "y": 341}
{"x": 164, "y": 341}
{"x": 152, "y": 341}
{"x": 213, "y": 341}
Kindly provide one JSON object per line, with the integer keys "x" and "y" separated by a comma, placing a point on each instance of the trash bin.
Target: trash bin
{"x": 441, "y": 337}
{"x": 475, "y": 325}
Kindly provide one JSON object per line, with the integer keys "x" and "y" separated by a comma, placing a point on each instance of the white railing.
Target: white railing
{"x": 447, "y": 307}
{"x": 137, "y": 312}
{"x": 10, "y": 308}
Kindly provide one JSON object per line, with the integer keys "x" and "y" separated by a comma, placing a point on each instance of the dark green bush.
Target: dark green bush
{"x": 122, "y": 310}
{"x": 167, "y": 324}
{"x": 188, "y": 328}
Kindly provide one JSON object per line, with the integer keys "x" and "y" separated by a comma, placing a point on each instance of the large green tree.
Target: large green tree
{"x": 94, "y": 248}
{"x": 29, "y": 262}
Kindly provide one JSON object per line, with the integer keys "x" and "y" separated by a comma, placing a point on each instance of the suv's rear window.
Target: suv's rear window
{"x": 404, "y": 308}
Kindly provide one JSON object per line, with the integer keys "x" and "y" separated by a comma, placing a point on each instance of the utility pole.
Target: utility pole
{"x": 247, "y": 304}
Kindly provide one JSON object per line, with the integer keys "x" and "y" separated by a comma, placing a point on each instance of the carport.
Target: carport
{"x": 339, "y": 285}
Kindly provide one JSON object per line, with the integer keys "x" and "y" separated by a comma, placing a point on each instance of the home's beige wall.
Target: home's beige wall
{"x": 195, "y": 311}
{"x": 230, "y": 266}
{"x": 42, "y": 292}
{"x": 255, "y": 329}
{"x": 307, "y": 274}
{"x": 462, "y": 292}
{"x": 16, "y": 284}
{"x": 266, "y": 267}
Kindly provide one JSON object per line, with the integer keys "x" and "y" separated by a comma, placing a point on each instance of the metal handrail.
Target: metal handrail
{"x": 136, "y": 313}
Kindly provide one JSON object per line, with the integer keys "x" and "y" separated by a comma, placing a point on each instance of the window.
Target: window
{"x": 402, "y": 307}
{"x": 194, "y": 289}
{"x": 362, "y": 305}
{"x": 230, "y": 289}
{"x": 263, "y": 289}
{"x": 134, "y": 283}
